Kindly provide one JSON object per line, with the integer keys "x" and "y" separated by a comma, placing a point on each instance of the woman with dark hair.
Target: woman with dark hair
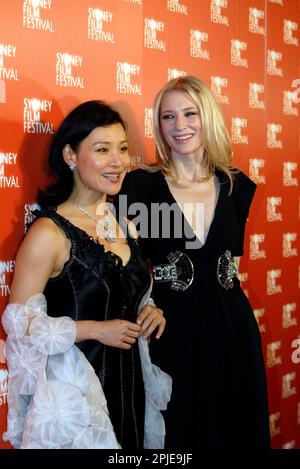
{"x": 198, "y": 207}
{"x": 80, "y": 279}
{"x": 75, "y": 127}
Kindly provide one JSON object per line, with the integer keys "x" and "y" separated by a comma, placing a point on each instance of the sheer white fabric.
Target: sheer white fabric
{"x": 52, "y": 335}
{"x": 158, "y": 388}
{"x": 55, "y": 399}
{"x": 69, "y": 406}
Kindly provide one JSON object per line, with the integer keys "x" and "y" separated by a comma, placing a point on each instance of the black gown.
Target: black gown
{"x": 94, "y": 285}
{"x": 211, "y": 346}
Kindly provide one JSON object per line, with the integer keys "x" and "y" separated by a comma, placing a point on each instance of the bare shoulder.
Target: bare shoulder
{"x": 43, "y": 238}
{"x": 37, "y": 259}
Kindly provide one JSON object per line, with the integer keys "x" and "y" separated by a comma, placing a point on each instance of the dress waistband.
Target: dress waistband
{"x": 180, "y": 271}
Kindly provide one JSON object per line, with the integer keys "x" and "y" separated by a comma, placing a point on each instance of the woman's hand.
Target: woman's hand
{"x": 115, "y": 333}
{"x": 149, "y": 319}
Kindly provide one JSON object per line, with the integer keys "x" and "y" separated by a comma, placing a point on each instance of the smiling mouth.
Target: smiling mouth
{"x": 183, "y": 138}
{"x": 112, "y": 177}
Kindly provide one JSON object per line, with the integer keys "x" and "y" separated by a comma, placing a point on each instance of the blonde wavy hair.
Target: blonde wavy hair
{"x": 217, "y": 144}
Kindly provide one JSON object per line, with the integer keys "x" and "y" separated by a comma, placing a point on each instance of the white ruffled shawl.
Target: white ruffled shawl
{"x": 55, "y": 399}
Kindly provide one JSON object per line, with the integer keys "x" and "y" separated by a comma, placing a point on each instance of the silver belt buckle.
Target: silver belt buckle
{"x": 179, "y": 271}
{"x": 226, "y": 270}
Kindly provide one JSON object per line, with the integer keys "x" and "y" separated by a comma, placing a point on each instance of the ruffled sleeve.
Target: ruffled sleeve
{"x": 69, "y": 409}
{"x": 243, "y": 193}
{"x": 55, "y": 399}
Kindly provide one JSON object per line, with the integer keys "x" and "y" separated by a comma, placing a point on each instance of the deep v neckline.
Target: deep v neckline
{"x": 96, "y": 242}
{"x": 186, "y": 222}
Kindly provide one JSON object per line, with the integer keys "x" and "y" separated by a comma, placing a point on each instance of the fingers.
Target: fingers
{"x": 150, "y": 318}
{"x": 131, "y": 332}
{"x": 125, "y": 346}
{"x": 123, "y": 334}
{"x": 146, "y": 312}
{"x": 134, "y": 334}
{"x": 129, "y": 340}
{"x": 126, "y": 342}
{"x": 148, "y": 309}
{"x": 158, "y": 321}
{"x": 133, "y": 327}
{"x": 161, "y": 328}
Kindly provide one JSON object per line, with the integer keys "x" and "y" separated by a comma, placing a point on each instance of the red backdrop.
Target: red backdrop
{"x": 55, "y": 54}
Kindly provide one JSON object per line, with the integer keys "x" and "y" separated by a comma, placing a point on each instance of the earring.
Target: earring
{"x": 72, "y": 166}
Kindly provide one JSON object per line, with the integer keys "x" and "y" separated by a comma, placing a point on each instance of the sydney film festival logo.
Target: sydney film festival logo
{"x": 97, "y": 20}
{"x": 174, "y": 73}
{"x": 273, "y": 357}
{"x": 255, "y": 89}
{"x": 288, "y": 389}
{"x": 7, "y": 54}
{"x": 287, "y": 248}
{"x": 288, "y": 103}
{"x": 35, "y": 116}
{"x": 67, "y": 70}
{"x": 216, "y": 14}
{"x": 148, "y": 123}
{"x": 272, "y": 135}
{"x": 272, "y": 66}
{"x": 237, "y": 124}
{"x": 289, "y": 167}
{"x": 287, "y": 319}
{"x": 197, "y": 49}
{"x": 135, "y": 162}
{"x": 3, "y": 386}
{"x": 272, "y": 205}
{"x": 217, "y": 85}
{"x": 255, "y": 16}
{"x": 6, "y": 270}
{"x": 237, "y": 47}
{"x": 255, "y": 167}
{"x": 8, "y": 161}
{"x": 28, "y": 215}
{"x": 289, "y": 27}
{"x": 34, "y": 12}
{"x": 274, "y": 419}
{"x": 127, "y": 78}
{"x": 152, "y": 38}
{"x": 273, "y": 278}
{"x": 175, "y": 6}
{"x": 256, "y": 251}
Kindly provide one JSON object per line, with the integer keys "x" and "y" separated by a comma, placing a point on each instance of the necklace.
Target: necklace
{"x": 105, "y": 228}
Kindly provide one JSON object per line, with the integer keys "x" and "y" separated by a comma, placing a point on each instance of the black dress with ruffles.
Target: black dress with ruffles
{"x": 211, "y": 346}
{"x": 94, "y": 285}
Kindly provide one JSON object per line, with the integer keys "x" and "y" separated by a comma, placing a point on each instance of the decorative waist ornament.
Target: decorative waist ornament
{"x": 226, "y": 270}
{"x": 180, "y": 271}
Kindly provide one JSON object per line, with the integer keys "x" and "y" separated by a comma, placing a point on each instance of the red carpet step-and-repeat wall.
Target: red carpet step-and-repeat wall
{"x": 55, "y": 54}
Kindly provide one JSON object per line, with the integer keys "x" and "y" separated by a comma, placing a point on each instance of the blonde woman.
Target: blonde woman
{"x": 192, "y": 233}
